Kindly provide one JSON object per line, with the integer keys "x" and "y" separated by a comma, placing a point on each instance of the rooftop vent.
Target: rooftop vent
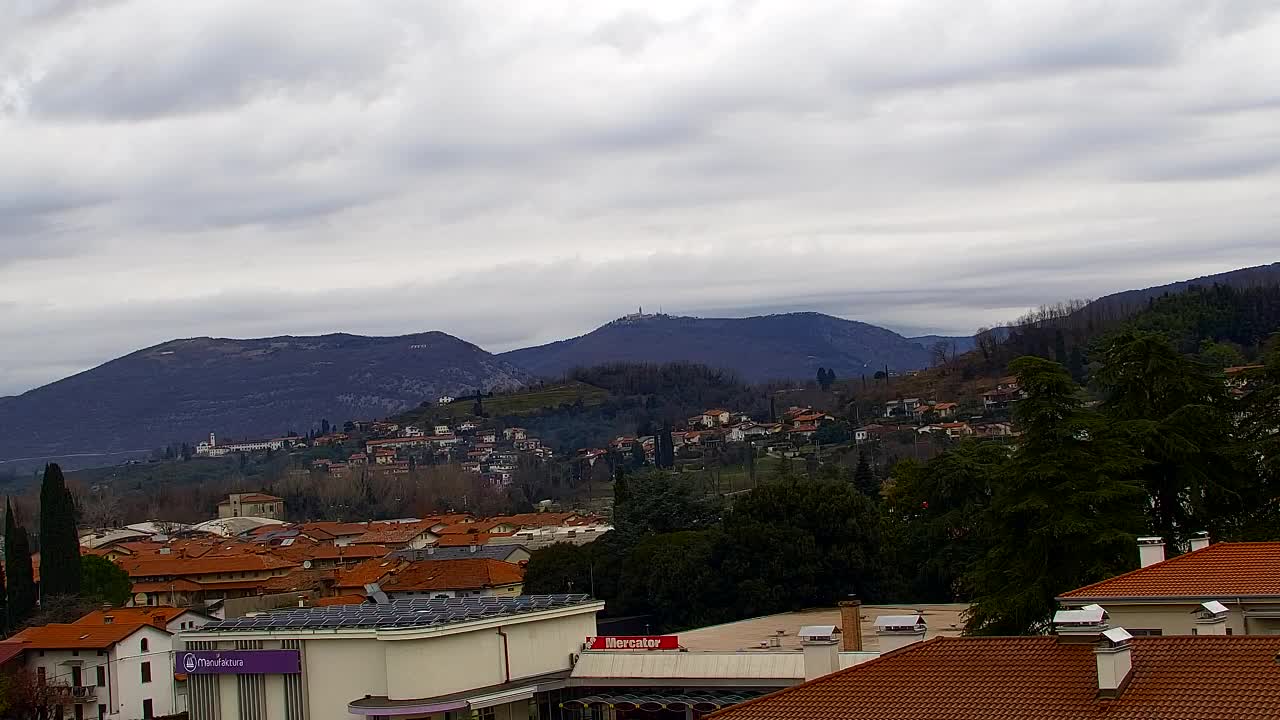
{"x": 1211, "y": 619}
{"x": 1199, "y": 541}
{"x": 898, "y": 631}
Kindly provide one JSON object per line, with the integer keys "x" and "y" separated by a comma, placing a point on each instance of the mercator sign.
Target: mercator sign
{"x": 633, "y": 642}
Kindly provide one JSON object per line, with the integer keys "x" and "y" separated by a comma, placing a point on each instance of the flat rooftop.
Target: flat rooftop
{"x": 943, "y": 620}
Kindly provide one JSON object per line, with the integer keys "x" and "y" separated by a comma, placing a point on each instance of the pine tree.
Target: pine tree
{"x": 59, "y": 545}
{"x": 20, "y": 590}
{"x": 865, "y": 479}
{"x": 1065, "y": 508}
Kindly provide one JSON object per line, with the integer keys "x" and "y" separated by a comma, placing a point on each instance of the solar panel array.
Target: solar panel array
{"x": 408, "y": 613}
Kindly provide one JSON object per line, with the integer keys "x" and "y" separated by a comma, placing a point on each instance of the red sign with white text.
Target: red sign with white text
{"x": 633, "y": 642}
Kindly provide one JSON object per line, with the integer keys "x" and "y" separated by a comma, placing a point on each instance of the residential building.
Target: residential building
{"x": 251, "y": 505}
{"x": 397, "y": 535}
{"x": 515, "y": 554}
{"x": 211, "y": 448}
{"x": 184, "y": 581}
{"x": 944, "y": 410}
{"x": 1167, "y": 597}
{"x": 499, "y": 658}
{"x": 1084, "y": 676}
{"x": 118, "y": 671}
{"x": 1006, "y": 392}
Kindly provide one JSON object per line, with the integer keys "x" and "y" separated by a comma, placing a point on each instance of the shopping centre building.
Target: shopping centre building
{"x": 507, "y": 658}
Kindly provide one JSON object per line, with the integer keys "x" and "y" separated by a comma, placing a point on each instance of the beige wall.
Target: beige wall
{"x": 339, "y": 671}
{"x": 1175, "y": 619}
{"x": 543, "y": 647}
{"x": 449, "y": 664}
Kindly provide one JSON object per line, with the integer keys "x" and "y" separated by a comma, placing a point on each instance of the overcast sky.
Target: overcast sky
{"x": 517, "y": 172}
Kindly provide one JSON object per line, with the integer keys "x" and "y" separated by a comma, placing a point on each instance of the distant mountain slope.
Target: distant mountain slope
{"x": 1130, "y": 301}
{"x": 954, "y": 344}
{"x": 180, "y": 390}
{"x": 788, "y": 346}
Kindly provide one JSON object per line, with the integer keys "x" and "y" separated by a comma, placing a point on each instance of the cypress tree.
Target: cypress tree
{"x": 20, "y": 590}
{"x": 864, "y": 479}
{"x": 59, "y": 546}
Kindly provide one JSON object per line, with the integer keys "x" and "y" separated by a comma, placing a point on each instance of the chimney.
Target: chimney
{"x": 899, "y": 631}
{"x": 1211, "y": 619}
{"x": 1082, "y": 625}
{"x": 474, "y": 547}
{"x": 851, "y": 624}
{"x": 1150, "y": 551}
{"x": 431, "y": 549}
{"x": 1199, "y": 541}
{"x": 1115, "y": 662}
{"x": 821, "y": 650}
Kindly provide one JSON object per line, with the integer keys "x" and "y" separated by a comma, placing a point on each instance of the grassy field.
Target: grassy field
{"x": 517, "y": 403}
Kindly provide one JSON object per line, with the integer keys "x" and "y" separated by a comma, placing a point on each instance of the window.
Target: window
{"x": 146, "y": 672}
{"x": 102, "y": 712}
{"x": 79, "y": 711}
{"x": 102, "y": 676}
{"x": 1146, "y": 632}
{"x": 145, "y": 644}
{"x": 40, "y": 674}
{"x": 486, "y": 714}
{"x": 147, "y": 712}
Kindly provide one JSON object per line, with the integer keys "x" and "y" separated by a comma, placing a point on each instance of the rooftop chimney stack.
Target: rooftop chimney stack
{"x": 1150, "y": 551}
{"x": 1211, "y": 619}
{"x": 899, "y": 631}
{"x": 821, "y": 650}
{"x": 1115, "y": 662}
{"x": 851, "y": 624}
{"x": 1199, "y": 541}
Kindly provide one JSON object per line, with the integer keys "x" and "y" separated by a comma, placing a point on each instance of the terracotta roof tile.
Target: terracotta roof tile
{"x": 465, "y": 574}
{"x": 75, "y": 637}
{"x": 369, "y": 571}
{"x": 1036, "y": 678}
{"x": 1220, "y": 570}
{"x": 468, "y": 539}
{"x": 392, "y": 533}
{"x": 158, "y": 615}
{"x": 171, "y": 566}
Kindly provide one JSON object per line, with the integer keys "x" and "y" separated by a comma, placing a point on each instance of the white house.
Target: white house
{"x": 109, "y": 672}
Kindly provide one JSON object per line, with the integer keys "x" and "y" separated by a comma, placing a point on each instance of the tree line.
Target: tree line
{"x": 1156, "y": 444}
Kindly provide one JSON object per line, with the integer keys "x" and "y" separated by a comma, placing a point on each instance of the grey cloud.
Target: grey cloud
{"x": 518, "y": 175}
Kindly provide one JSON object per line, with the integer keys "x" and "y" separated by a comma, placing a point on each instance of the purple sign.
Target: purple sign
{"x": 238, "y": 662}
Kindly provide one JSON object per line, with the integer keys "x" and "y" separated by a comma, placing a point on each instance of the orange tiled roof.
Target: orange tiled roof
{"x": 536, "y": 519}
{"x": 463, "y": 574}
{"x": 470, "y": 527}
{"x": 461, "y": 540}
{"x": 369, "y": 571}
{"x": 169, "y": 565}
{"x": 1219, "y": 571}
{"x": 60, "y": 636}
{"x": 158, "y": 615}
{"x": 160, "y": 586}
{"x": 392, "y": 533}
{"x": 333, "y": 528}
{"x": 298, "y": 580}
{"x": 299, "y": 553}
{"x": 1036, "y": 678}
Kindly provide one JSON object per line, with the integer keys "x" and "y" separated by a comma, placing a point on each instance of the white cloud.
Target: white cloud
{"x": 516, "y": 173}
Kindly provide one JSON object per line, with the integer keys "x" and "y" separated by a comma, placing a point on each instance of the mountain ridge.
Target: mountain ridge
{"x": 782, "y": 346}
{"x": 178, "y": 390}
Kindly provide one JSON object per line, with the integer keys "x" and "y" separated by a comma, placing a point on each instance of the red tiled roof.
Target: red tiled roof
{"x": 536, "y": 519}
{"x": 75, "y": 637}
{"x": 1037, "y": 678}
{"x": 392, "y": 533}
{"x": 463, "y": 540}
{"x": 369, "y": 571}
{"x": 169, "y": 565}
{"x": 9, "y": 650}
{"x": 167, "y": 586}
{"x": 158, "y": 615}
{"x": 1221, "y": 570}
{"x": 465, "y": 574}
{"x": 254, "y": 498}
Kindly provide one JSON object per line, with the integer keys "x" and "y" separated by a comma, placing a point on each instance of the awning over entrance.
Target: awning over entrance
{"x": 476, "y": 699}
{"x": 654, "y": 701}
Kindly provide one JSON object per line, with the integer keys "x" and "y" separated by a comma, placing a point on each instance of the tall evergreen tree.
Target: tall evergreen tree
{"x": 668, "y": 447}
{"x": 1065, "y": 508}
{"x": 637, "y": 453}
{"x": 20, "y": 590}
{"x": 865, "y": 479}
{"x": 1174, "y": 412}
{"x": 59, "y": 544}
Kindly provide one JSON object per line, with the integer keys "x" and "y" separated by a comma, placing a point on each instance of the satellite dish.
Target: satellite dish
{"x": 306, "y": 564}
